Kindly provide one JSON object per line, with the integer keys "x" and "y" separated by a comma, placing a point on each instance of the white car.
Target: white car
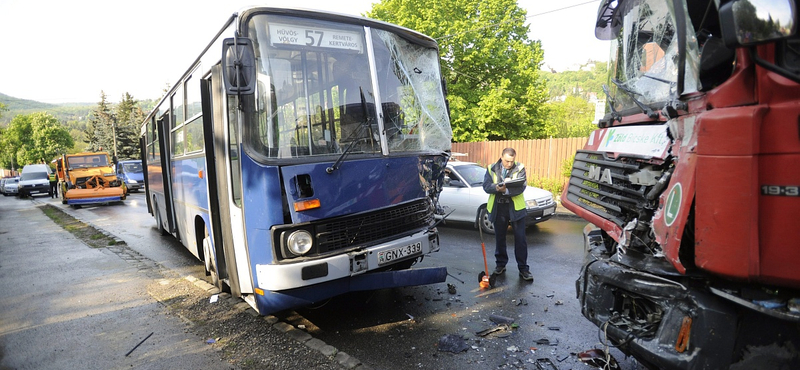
{"x": 463, "y": 194}
{"x": 11, "y": 186}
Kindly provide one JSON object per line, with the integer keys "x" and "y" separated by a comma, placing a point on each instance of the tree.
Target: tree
{"x": 569, "y": 118}
{"x": 35, "y": 138}
{"x": 490, "y": 66}
{"x": 115, "y": 126}
{"x": 128, "y": 118}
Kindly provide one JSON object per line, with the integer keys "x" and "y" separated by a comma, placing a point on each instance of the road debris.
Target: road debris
{"x": 547, "y": 342}
{"x": 485, "y": 332}
{"x": 137, "y": 346}
{"x": 498, "y": 319}
{"x": 459, "y": 280}
{"x": 599, "y": 358}
{"x": 545, "y": 364}
{"x": 451, "y": 288}
{"x": 452, "y": 343}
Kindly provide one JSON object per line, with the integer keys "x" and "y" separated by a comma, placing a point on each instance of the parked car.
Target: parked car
{"x": 463, "y": 194}
{"x": 34, "y": 179}
{"x": 11, "y": 186}
{"x": 132, "y": 173}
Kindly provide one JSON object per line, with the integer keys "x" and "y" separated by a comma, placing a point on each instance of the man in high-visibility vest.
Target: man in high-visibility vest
{"x": 505, "y": 181}
{"x": 53, "y": 186}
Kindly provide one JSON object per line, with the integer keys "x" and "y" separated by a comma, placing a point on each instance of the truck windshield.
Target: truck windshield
{"x": 87, "y": 161}
{"x": 644, "y": 56}
{"x": 323, "y": 85}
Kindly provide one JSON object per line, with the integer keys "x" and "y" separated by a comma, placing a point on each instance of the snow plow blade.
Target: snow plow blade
{"x": 94, "y": 196}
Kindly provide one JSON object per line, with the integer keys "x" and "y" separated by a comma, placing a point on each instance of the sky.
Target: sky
{"x": 57, "y": 51}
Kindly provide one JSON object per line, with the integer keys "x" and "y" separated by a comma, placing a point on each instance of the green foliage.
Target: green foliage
{"x": 33, "y": 138}
{"x": 587, "y": 80}
{"x": 572, "y": 117}
{"x": 553, "y": 185}
{"x": 115, "y": 129}
{"x": 490, "y": 66}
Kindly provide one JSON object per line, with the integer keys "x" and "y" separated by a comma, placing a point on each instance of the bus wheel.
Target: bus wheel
{"x": 210, "y": 262}
{"x": 158, "y": 220}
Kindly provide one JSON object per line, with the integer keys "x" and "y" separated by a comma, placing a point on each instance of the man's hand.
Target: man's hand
{"x": 501, "y": 188}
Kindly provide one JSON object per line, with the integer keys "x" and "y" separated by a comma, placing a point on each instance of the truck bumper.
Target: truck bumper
{"x": 661, "y": 320}
{"x": 93, "y": 196}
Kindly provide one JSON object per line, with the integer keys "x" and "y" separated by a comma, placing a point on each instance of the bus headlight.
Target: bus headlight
{"x": 299, "y": 242}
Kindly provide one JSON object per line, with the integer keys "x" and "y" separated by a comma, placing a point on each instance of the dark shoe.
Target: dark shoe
{"x": 526, "y": 275}
{"x": 499, "y": 270}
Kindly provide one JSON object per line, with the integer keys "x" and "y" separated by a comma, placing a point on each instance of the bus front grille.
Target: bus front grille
{"x": 370, "y": 228}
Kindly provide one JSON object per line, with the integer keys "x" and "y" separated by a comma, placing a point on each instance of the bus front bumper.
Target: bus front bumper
{"x": 277, "y": 277}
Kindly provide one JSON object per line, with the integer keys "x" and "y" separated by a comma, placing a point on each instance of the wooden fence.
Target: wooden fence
{"x": 542, "y": 158}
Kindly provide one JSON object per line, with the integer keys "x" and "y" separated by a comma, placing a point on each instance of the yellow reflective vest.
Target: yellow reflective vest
{"x": 519, "y": 199}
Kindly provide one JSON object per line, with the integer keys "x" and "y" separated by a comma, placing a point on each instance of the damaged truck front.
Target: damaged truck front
{"x": 691, "y": 185}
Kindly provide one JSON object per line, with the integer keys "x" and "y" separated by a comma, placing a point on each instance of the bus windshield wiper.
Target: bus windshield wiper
{"x": 645, "y": 109}
{"x": 356, "y": 133}
{"x": 615, "y": 116}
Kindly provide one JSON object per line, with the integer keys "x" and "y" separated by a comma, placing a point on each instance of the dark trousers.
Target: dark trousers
{"x": 53, "y": 189}
{"x": 501, "y": 222}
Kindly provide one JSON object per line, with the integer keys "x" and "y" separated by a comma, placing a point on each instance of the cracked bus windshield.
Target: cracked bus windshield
{"x": 318, "y": 91}
{"x": 645, "y": 54}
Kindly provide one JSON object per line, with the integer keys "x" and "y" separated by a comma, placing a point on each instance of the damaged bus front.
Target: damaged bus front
{"x": 307, "y": 162}
{"x": 690, "y": 182}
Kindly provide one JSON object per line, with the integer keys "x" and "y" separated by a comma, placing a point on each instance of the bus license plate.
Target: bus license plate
{"x": 395, "y": 254}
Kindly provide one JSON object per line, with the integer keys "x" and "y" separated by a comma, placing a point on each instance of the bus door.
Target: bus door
{"x": 224, "y": 186}
{"x": 166, "y": 209}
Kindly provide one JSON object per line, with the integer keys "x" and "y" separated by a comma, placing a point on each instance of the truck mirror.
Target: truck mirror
{"x": 238, "y": 66}
{"x": 751, "y": 22}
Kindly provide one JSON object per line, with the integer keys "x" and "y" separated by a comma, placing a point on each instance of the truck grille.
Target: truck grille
{"x": 601, "y": 185}
{"x": 369, "y": 228}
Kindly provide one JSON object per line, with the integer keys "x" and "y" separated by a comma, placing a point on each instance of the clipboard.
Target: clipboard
{"x": 516, "y": 183}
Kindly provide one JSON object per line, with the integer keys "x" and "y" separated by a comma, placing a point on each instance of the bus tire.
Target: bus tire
{"x": 159, "y": 224}
{"x": 210, "y": 262}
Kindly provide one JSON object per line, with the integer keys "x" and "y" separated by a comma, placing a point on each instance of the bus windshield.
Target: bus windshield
{"x": 324, "y": 86}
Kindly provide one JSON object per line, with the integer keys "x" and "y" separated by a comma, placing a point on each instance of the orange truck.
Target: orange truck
{"x": 88, "y": 178}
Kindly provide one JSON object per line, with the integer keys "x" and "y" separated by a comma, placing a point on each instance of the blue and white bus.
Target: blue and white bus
{"x": 301, "y": 156}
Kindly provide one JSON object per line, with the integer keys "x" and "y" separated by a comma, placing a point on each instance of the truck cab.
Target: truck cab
{"x": 689, "y": 183}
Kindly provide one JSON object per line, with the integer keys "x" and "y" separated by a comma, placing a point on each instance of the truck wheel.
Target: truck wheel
{"x": 483, "y": 221}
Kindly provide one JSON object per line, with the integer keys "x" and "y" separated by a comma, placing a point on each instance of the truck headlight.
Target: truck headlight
{"x": 299, "y": 242}
{"x": 531, "y": 203}
{"x": 132, "y": 181}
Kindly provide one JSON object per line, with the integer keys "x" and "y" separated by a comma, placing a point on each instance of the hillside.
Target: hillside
{"x": 63, "y": 112}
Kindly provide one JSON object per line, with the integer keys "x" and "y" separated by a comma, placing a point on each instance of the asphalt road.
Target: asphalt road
{"x": 405, "y": 325}
{"x": 402, "y": 328}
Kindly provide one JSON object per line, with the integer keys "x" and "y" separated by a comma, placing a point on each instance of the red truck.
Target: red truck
{"x": 691, "y": 185}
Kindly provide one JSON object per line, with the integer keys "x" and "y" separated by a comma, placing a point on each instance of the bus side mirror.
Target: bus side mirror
{"x": 238, "y": 66}
{"x": 751, "y": 22}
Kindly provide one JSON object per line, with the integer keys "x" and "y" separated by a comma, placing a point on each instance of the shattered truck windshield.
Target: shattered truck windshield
{"x": 323, "y": 87}
{"x": 645, "y": 58}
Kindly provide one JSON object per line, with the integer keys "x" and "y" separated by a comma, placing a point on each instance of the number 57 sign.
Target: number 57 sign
{"x": 285, "y": 34}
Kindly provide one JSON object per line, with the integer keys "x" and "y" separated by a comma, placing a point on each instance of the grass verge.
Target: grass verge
{"x": 83, "y": 231}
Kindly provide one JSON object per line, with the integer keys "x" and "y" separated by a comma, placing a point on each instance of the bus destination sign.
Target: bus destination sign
{"x": 285, "y": 34}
